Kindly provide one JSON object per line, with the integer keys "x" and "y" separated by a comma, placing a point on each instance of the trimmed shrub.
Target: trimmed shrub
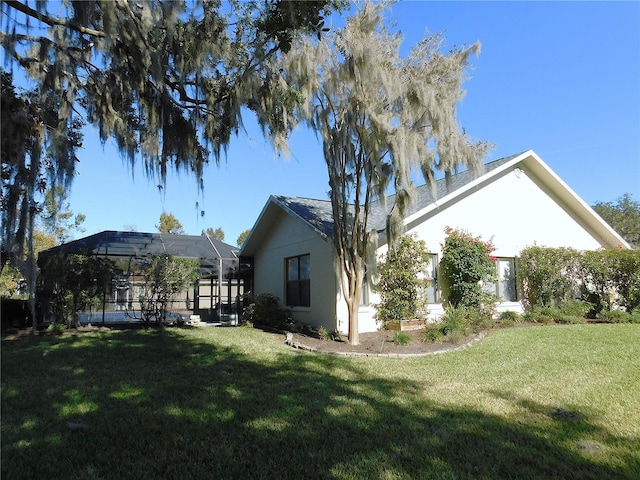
{"x": 457, "y": 323}
{"x": 432, "y": 334}
{"x": 596, "y": 282}
{"x": 535, "y": 315}
{"x": 614, "y": 316}
{"x": 557, "y": 316}
{"x": 618, "y": 316}
{"x": 466, "y": 265}
{"x": 625, "y": 272}
{"x": 548, "y": 276}
{"x": 568, "y": 312}
{"x": 575, "y": 308}
{"x": 267, "y": 311}
{"x": 400, "y": 285}
{"x": 332, "y": 335}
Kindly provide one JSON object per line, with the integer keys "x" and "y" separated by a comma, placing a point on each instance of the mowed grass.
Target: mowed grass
{"x": 537, "y": 402}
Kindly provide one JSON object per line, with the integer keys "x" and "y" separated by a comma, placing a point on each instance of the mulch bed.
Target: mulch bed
{"x": 379, "y": 344}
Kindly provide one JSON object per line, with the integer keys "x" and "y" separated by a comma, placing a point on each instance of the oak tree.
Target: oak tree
{"x": 167, "y": 81}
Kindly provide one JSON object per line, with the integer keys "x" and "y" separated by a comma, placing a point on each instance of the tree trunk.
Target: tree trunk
{"x": 353, "y": 305}
{"x": 352, "y": 289}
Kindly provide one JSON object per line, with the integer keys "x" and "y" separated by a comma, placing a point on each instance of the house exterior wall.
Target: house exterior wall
{"x": 513, "y": 211}
{"x": 520, "y": 205}
{"x": 291, "y": 237}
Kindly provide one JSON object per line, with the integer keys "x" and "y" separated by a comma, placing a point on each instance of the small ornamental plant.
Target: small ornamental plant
{"x": 401, "y": 281}
{"x": 466, "y": 266}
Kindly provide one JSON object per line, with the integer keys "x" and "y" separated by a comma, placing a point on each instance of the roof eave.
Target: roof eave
{"x": 256, "y": 234}
{"x": 602, "y": 231}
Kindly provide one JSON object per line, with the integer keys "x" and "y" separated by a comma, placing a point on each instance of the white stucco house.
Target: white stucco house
{"x": 518, "y": 201}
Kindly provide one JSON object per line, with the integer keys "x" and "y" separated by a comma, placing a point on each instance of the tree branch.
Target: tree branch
{"x": 52, "y": 20}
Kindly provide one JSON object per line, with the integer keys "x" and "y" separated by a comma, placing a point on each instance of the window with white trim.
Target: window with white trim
{"x": 431, "y": 279}
{"x": 298, "y": 281}
{"x": 505, "y": 286}
{"x": 364, "y": 293}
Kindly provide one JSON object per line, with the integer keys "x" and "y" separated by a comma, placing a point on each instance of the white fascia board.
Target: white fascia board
{"x": 573, "y": 201}
{"x": 537, "y": 167}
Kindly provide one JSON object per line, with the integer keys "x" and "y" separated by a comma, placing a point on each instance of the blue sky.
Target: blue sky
{"x": 561, "y": 78}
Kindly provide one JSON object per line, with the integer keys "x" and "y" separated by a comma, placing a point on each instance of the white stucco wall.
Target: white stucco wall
{"x": 290, "y": 237}
{"x": 513, "y": 211}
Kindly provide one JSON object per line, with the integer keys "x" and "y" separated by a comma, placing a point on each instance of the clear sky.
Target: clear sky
{"x": 560, "y": 78}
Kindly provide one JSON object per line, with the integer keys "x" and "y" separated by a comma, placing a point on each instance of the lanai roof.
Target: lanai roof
{"x": 138, "y": 244}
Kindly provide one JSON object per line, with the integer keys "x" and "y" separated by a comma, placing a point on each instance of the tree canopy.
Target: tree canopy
{"x": 167, "y": 81}
{"x": 380, "y": 116}
{"x": 216, "y": 234}
{"x": 38, "y": 159}
{"x": 242, "y": 237}
{"x": 623, "y": 216}
{"x": 57, "y": 218}
{"x": 170, "y": 224}
{"x": 164, "y": 79}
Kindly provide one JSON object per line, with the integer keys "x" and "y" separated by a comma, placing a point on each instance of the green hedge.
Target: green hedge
{"x": 606, "y": 279}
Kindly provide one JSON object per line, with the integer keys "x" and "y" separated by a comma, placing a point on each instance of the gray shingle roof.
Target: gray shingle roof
{"x": 318, "y": 213}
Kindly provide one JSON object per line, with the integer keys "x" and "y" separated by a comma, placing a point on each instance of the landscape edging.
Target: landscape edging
{"x": 301, "y": 346}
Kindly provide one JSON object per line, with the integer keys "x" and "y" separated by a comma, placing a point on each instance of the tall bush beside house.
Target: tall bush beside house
{"x": 548, "y": 276}
{"x": 606, "y": 279}
{"x": 465, "y": 267}
{"x": 401, "y": 281}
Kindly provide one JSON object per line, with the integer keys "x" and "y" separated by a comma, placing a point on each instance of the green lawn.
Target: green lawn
{"x": 537, "y": 402}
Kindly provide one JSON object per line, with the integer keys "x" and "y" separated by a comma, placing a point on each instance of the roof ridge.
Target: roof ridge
{"x": 467, "y": 170}
{"x": 303, "y": 198}
{"x": 424, "y": 197}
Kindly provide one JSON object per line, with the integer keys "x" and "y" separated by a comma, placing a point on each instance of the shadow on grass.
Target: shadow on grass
{"x": 161, "y": 405}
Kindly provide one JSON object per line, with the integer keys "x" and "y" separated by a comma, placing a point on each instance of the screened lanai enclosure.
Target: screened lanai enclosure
{"x": 217, "y": 296}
